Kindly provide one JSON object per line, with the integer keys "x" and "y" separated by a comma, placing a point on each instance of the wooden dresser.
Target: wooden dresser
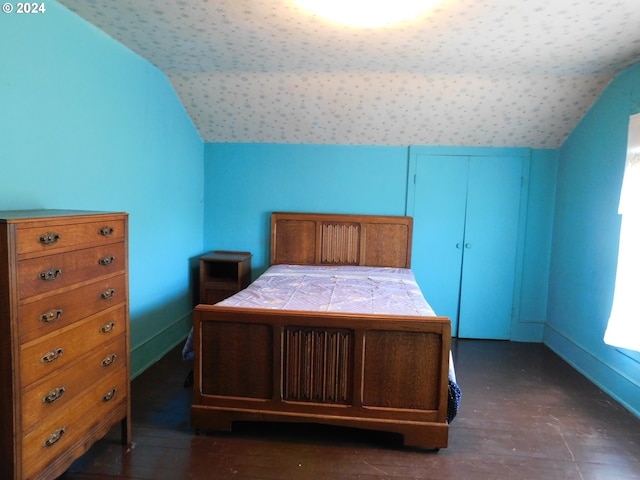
{"x": 64, "y": 337}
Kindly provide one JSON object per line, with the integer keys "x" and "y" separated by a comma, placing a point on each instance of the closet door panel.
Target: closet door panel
{"x": 491, "y": 239}
{"x": 438, "y": 230}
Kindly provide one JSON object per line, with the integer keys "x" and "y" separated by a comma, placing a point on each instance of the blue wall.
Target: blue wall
{"x": 244, "y": 183}
{"x": 585, "y": 241}
{"x": 87, "y": 124}
{"x": 532, "y": 310}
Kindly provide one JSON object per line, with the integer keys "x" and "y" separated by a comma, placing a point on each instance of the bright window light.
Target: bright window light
{"x": 623, "y": 329}
{"x": 368, "y": 13}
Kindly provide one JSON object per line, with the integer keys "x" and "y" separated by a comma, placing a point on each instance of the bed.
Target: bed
{"x": 352, "y": 359}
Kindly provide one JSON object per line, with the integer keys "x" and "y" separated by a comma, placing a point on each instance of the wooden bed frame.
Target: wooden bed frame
{"x": 376, "y": 372}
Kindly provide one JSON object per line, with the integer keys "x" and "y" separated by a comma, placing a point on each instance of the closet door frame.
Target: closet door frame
{"x": 525, "y": 155}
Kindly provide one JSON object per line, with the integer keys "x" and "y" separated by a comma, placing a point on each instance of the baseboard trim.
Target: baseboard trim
{"x": 530, "y": 332}
{"x": 616, "y": 383}
{"x": 153, "y": 349}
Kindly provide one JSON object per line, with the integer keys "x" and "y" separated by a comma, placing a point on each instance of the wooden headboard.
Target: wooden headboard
{"x": 335, "y": 239}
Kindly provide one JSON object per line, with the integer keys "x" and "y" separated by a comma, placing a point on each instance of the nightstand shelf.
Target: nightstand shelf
{"x": 223, "y": 273}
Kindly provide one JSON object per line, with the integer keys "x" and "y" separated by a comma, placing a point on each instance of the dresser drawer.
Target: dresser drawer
{"x": 62, "y": 235}
{"x": 58, "y": 433}
{"x": 54, "y": 312}
{"x": 45, "y": 274}
{"x": 57, "y": 391}
{"x": 52, "y": 352}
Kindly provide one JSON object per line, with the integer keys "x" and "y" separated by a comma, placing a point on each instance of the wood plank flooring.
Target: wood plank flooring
{"x": 525, "y": 414}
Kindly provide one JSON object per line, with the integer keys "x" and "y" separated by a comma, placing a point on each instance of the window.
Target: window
{"x": 623, "y": 329}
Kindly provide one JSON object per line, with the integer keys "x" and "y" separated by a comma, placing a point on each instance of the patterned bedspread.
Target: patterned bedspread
{"x": 372, "y": 290}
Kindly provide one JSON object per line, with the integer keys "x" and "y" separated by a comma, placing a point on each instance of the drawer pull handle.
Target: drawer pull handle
{"x": 108, "y": 260}
{"x": 108, "y": 360}
{"x": 107, "y": 294}
{"x": 49, "y": 238}
{"x": 108, "y": 327}
{"x": 106, "y": 231}
{"x": 50, "y": 274}
{"x": 110, "y": 394}
{"x": 51, "y": 316}
{"x": 53, "y": 395}
{"x": 54, "y": 437}
{"x": 52, "y": 355}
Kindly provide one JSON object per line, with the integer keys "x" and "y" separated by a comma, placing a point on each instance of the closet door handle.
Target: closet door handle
{"x": 467, "y": 245}
{"x": 458, "y": 246}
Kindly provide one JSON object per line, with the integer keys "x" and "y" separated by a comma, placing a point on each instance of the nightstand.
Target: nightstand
{"x": 223, "y": 273}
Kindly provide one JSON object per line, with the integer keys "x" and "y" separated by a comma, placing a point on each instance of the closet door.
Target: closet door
{"x": 490, "y": 247}
{"x": 466, "y": 213}
{"x": 438, "y": 230}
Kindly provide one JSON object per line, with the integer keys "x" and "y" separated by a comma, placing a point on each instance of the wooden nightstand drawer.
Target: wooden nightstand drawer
{"x": 212, "y": 296}
{"x": 46, "y": 398}
{"x": 54, "y": 312}
{"x": 46, "y": 274}
{"x": 62, "y": 235}
{"x": 58, "y": 433}
{"x": 53, "y": 352}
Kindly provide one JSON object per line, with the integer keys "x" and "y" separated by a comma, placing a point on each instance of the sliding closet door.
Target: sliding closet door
{"x": 438, "y": 230}
{"x": 491, "y": 240}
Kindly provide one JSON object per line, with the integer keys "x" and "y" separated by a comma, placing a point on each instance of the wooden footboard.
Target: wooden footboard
{"x": 387, "y": 373}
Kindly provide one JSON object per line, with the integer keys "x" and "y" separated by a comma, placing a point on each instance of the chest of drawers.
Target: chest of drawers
{"x": 64, "y": 337}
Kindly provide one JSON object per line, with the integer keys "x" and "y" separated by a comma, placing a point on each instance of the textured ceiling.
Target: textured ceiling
{"x": 471, "y": 73}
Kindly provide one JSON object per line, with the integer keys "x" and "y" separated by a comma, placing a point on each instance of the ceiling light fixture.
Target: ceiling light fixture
{"x": 368, "y": 13}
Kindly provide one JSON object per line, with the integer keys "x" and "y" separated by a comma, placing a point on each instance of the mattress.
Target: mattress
{"x": 366, "y": 290}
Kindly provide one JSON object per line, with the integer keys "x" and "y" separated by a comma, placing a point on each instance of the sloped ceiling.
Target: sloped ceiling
{"x": 471, "y": 73}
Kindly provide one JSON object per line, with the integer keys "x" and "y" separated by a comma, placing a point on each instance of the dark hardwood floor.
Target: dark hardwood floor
{"x": 525, "y": 414}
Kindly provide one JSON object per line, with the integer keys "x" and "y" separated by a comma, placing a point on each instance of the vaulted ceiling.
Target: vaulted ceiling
{"x": 470, "y": 73}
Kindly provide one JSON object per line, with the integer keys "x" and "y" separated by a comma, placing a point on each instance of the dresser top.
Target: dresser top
{"x": 9, "y": 216}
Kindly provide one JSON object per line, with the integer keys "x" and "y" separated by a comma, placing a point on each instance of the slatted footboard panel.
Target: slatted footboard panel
{"x": 317, "y": 365}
